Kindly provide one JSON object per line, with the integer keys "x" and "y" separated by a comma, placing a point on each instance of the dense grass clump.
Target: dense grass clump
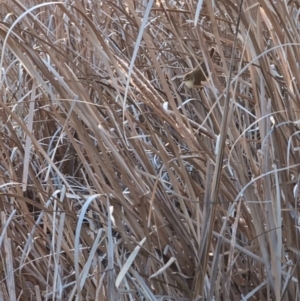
{"x": 118, "y": 182}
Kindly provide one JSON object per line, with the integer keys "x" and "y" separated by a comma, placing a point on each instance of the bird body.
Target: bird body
{"x": 195, "y": 78}
{"x": 198, "y": 76}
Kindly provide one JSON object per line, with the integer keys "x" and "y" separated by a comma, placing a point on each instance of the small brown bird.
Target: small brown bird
{"x": 198, "y": 76}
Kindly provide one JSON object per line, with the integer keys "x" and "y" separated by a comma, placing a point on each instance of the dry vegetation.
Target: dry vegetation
{"x": 118, "y": 183}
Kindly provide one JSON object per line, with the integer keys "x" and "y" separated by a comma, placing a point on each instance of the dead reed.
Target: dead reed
{"x": 115, "y": 183}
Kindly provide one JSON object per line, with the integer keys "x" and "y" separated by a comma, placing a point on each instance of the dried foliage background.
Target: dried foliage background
{"x": 118, "y": 183}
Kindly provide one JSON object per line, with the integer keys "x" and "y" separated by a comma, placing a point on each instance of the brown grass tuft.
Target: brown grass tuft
{"x": 117, "y": 182}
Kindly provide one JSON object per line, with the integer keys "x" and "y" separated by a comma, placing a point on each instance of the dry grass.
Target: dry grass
{"x": 107, "y": 193}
